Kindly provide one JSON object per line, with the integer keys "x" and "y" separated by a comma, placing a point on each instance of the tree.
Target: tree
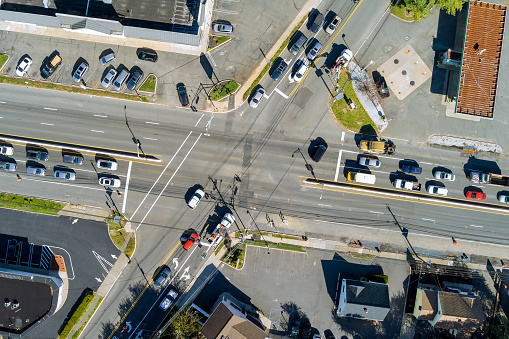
{"x": 184, "y": 325}
{"x": 419, "y": 8}
{"x": 451, "y": 6}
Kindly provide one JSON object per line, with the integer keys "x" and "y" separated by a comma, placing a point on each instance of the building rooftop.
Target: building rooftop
{"x": 482, "y": 50}
{"x": 367, "y": 300}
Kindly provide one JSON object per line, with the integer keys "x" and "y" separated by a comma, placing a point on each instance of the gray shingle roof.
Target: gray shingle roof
{"x": 366, "y": 300}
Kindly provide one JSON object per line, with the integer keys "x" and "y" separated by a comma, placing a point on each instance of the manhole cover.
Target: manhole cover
{"x": 412, "y": 83}
{"x": 396, "y": 61}
{"x": 403, "y": 72}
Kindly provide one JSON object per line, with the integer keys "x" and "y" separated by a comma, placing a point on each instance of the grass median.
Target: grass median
{"x": 119, "y": 235}
{"x": 30, "y": 204}
{"x": 149, "y": 85}
{"x": 222, "y": 90}
{"x": 78, "y": 331}
{"x": 80, "y": 310}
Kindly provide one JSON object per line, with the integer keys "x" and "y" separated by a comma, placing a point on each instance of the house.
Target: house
{"x": 229, "y": 321}
{"x": 448, "y": 310}
{"x": 364, "y": 300}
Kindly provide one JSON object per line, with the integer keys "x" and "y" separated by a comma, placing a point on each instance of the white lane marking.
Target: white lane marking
{"x": 91, "y": 171}
{"x": 70, "y": 261}
{"x": 324, "y": 205}
{"x": 50, "y": 109}
{"x": 199, "y": 120}
{"x": 93, "y": 130}
{"x": 160, "y": 175}
{"x": 281, "y": 93}
{"x": 427, "y": 163}
{"x": 342, "y": 136}
{"x": 152, "y": 123}
{"x": 149, "y": 138}
{"x": 477, "y": 226}
{"x": 2, "y": 102}
{"x": 59, "y": 183}
{"x": 338, "y": 165}
{"x": 397, "y": 139}
{"x": 376, "y": 212}
{"x": 100, "y": 116}
{"x": 1, "y": 117}
{"x": 167, "y": 183}
{"x": 426, "y": 219}
{"x": 103, "y": 261}
{"x": 127, "y": 185}
{"x": 385, "y": 157}
{"x": 44, "y": 123}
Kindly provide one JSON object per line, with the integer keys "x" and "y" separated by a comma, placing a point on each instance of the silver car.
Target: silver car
{"x": 220, "y": 28}
{"x": 369, "y": 162}
{"x": 162, "y": 277}
{"x": 134, "y": 80}
{"x": 444, "y": 176}
{"x": 168, "y": 300}
{"x": 257, "y": 97}
{"x": 107, "y": 59}
{"x": 80, "y": 72}
{"x": 36, "y": 170}
{"x": 7, "y": 166}
{"x": 65, "y": 174}
{"x": 108, "y": 78}
{"x": 313, "y": 52}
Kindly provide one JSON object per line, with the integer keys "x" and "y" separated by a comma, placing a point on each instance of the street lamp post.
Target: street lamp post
{"x": 308, "y": 165}
{"x": 369, "y": 64}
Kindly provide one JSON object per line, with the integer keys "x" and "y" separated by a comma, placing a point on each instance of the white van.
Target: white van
{"x": 120, "y": 80}
{"x": 361, "y": 177}
{"x": 301, "y": 71}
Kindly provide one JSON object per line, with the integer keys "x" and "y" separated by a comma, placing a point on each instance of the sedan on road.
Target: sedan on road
{"x": 36, "y": 170}
{"x": 195, "y": 199}
{"x": 319, "y": 151}
{"x": 6, "y": 150}
{"x": 107, "y": 181}
{"x": 193, "y": 237}
{"x": 168, "y": 300}
{"x": 444, "y": 176}
{"x": 80, "y": 72}
{"x": 23, "y": 66}
{"x": 303, "y": 68}
{"x": 227, "y": 220}
{"x": 504, "y": 198}
{"x": 107, "y": 164}
{"x": 162, "y": 277}
{"x": 182, "y": 93}
{"x": 476, "y": 195}
{"x": 37, "y": 155}
{"x": 108, "y": 78}
{"x": 257, "y": 97}
{"x": 65, "y": 174}
{"x": 411, "y": 169}
{"x": 134, "y": 80}
{"x": 369, "y": 162}
{"x": 219, "y": 28}
{"x": 73, "y": 159}
{"x": 281, "y": 68}
{"x": 331, "y": 27}
{"x": 438, "y": 190}
{"x": 313, "y": 52}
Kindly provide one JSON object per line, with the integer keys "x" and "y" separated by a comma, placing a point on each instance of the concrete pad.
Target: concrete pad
{"x": 404, "y": 72}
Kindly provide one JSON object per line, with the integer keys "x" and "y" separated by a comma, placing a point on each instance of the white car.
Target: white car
{"x": 108, "y": 78}
{"x": 219, "y": 28}
{"x": 432, "y": 189}
{"x": 369, "y": 162}
{"x": 65, "y": 174}
{"x": 257, "y": 97}
{"x": 227, "y": 220}
{"x": 107, "y": 164}
{"x": 80, "y": 72}
{"x": 300, "y": 72}
{"x": 331, "y": 27}
{"x": 106, "y": 181}
{"x": 195, "y": 199}
{"x": 444, "y": 176}
{"x": 168, "y": 300}
{"x": 23, "y": 66}
{"x": 6, "y": 150}
{"x": 504, "y": 198}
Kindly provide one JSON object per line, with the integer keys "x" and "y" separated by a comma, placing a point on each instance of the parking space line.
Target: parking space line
{"x": 70, "y": 260}
{"x": 338, "y": 165}
{"x": 100, "y": 116}
{"x": 127, "y": 185}
{"x": 152, "y": 123}
{"x": 281, "y": 93}
{"x": 149, "y": 138}
{"x": 45, "y": 123}
{"x": 50, "y": 109}
{"x": 93, "y": 130}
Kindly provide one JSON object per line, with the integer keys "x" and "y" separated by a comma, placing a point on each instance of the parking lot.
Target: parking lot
{"x": 19, "y": 251}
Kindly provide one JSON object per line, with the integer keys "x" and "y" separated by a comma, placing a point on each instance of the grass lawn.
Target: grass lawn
{"x": 18, "y": 81}
{"x": 149, "y": 85}
{"x": 400, "y": 12}
{"x": 215, "y": 41}
{"x": 82, "y": 308}
{"x": 266, "y": 68}
{"x": 280, "y": 246}
{"x": 30, "y": 204}
{"x": 222, "y": 90}
{"x": 78, "y": 331}
{"x": 3, "y": 59}
{"x": 354, "y": 119}
{"x": 118, "y": 235}
{"x": 238, "y": 255}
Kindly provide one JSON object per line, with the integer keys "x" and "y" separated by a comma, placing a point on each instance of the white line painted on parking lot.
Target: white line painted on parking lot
{"x": 282, "y": 94}
{"x": 50, "y": 109}
{"x": 2, "y": 102}
{"x": 376, "y": 212}
{"x": 70, "y": 261}
{"x": 343, "y": 136}
{"x": 324, "y": 205}
{"x": 477, "y": 226}
{"x": 425, "y": 219}
{"x": 149, "y": 138}
{"x": 199, "y": 120}
{"x": 45, "y": 123}
{"x": 100, "y": 116}
{"x": 93, "y": 130}
{"x": 152, "y": 123}
{"x": 223, "y": 11}
{"x": 338, "y": 165}
{"x": 127, "y": 185}
{"x": 167, "y": 183}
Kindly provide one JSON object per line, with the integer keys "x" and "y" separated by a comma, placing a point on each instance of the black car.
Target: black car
{"x": 182, "y": 92}
{"x": 382, "y": 88}
{"x": 37, "y": 155}
{"x": 320, "y": 151}
{"x": 306, "y": 332}
{"x": 411, "y": 169}
{"x": 279, "y": 70}
{"x": 317, "y": 22}
{"x": 12, "y": 249}
{"x": 147, "y": 55}
{"x": 295, "y": 328}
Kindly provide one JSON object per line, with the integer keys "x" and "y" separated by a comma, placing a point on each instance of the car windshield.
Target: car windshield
{"x": 255, "y": 101}
{"x": 298, "y": 75}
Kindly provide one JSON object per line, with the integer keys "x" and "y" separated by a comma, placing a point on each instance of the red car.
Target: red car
{"x": 190, "y": 241}
{"x": 476, "y": 195}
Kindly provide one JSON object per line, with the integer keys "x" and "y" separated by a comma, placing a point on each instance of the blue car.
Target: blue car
{"x": 279, "y": 70}
{"x": 411, "y": 169}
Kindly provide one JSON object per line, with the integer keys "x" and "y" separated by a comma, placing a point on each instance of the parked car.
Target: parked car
{"x": 12, "y": 249}
{"x": 195, "y": 199}
{"x": 37, "y": 155}
{"x": 320, "y": 151}
{"x": 36, "y": 170}
{"x": 221, "y": 28}
{"x": 110, "y": 57}
{"x": 295, "y": 328}
{"x": 331, "y": 27}
{"x": 51, "y": 66}
{"x": 281, "y": 68}
{"x": 444, "y": 176}
{"x": 23, "y": 66}
{"x": 67, "y": 174}
{"x": 168, "y": 300}
{"x": 503, "y": 198}
{"x": 257, "y": 97}
{"x": 7, "y": 166}
{"x": 182, "y": 93}
{"x": 303, "y": 68}
{"x": 438, "y": 190}
{"x": 306, "y": 330}
{"x": 80, "y": 72}
{"x": 382, "y": 88}
{"x": 298, "y": 44}
{"x": 317, "y": 336}
{"x": 107, "y": 164}
{"x": 315, "y": 49}
{"x": 227, "y": 220}
{"x": 6, "y": 150}
{"x": 317, "y": 22}
{"x": 120, "y": 80}
{"x": 108, "y": 78}
{"x": 162, "y": 277}
{"x": 147, "y": 56}
{"x": 193, "y": 237}
{"x": 365, "y": 161}
{"x": 476, "y": 195}
{"x": 107, "y": 181}
{"x": 73, "y": 159}
{"x": 134, "y": 80}
{"x": 411, "y": 169}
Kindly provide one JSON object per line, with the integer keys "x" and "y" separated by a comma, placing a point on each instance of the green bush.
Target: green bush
{"x": 381, "y": 278}
{"x": 82, "y": 308}
{"x": 222, "y": 90}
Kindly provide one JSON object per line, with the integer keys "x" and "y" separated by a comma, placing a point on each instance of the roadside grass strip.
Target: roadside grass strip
{"x": 222, "y": 90}
{"x": 80, "y": 310}
{"x": 30, "y": 204}
{"x": 119, "y": 235}
{"x": 78, "y": 332}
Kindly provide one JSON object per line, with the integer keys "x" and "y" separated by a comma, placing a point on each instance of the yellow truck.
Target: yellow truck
{"x": 380, "y": 147}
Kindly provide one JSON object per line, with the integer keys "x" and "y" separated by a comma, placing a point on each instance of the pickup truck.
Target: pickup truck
{"x": 489, "y": 178}
{"x": 411, "y": 169}
{"x": 407, "y": 185}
